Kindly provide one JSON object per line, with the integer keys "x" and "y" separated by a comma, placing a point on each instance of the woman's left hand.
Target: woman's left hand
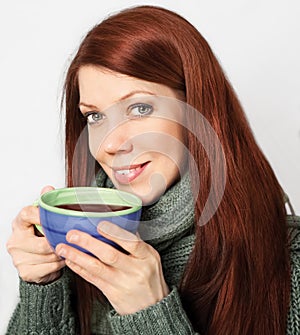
{"x": 130, "y": 282}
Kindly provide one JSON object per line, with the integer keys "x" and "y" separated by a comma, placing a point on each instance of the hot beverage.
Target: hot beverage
{"x": 94, "y": 208}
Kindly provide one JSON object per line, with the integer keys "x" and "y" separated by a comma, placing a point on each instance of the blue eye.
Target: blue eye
{"x": 140, "y": 110}
{"x": 94, "y": 118}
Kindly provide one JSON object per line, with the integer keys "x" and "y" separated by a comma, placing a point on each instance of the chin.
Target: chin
{"x": 151, "y": 196}
{"x": 148, "y": 200}
{"x": 149, "y": 192}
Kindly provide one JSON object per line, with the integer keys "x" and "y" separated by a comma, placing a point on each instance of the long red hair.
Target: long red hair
{"x": 237, "y": 279}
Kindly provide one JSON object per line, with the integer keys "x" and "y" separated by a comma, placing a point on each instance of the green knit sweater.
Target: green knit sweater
{"x": 47, "y": 309}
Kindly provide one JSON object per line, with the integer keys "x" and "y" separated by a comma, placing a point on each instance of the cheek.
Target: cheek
{"x": 174, "y": 148}
{"x": 95, "y": 140}
{"x": 170, "y": 142}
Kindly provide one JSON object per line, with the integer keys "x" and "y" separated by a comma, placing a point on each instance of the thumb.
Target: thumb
{"x": 47, "y": 189}
{"x": 38, "y": 230}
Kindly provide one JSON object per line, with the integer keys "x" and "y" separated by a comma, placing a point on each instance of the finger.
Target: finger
{"x": 27, "y": 217}
{"x": 128, "y": 241}
{"x": 22, "y": 258}
{"x": 37, "y": 272}
{"x": 31, "y": 244}
{"x": 86, "y": 266}
{"x": 47, "y": 189}
{"x": 105, "y": 252}
{"x": 90, "y": 276}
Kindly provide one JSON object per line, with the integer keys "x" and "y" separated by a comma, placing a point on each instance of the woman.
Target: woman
{"x": 228, "y": 272}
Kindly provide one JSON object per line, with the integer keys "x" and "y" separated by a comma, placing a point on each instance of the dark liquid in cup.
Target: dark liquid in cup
{"x": 94, "y": 208}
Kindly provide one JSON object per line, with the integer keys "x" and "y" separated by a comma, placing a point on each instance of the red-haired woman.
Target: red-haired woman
{"x": 150, "y": 111}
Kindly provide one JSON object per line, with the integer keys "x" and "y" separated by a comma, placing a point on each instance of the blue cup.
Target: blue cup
{"x": 62, "y": 210}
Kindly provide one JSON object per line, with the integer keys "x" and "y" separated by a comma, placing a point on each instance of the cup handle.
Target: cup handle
{"x": 38, "y": 230}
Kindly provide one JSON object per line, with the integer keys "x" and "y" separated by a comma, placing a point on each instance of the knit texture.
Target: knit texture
{"x": 293, "y": 321}
{"x": 165, "y": 317}
{"x": 167, "y": 220}
{"x": 47, "y": 309}
{"x": 44, "y": 309}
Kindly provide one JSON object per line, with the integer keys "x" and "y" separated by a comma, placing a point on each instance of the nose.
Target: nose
{"x": 117, "y": 141}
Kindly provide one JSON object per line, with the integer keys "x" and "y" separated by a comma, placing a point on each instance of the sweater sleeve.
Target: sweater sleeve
{"x": 165, "y": 317}
{"x": 43, "y": 309}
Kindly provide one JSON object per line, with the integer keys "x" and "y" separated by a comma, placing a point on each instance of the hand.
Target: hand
{"x": 32, "y": 255}
{"x": 130, "y": 282}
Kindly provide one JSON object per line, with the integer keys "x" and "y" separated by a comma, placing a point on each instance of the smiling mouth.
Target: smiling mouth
{"x": 126, "y": 174}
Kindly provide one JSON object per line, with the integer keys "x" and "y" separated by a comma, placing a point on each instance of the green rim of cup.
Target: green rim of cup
{"x": 87, "y": 195}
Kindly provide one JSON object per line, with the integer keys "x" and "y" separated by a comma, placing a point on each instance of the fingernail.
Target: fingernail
{"x": 61, "y": 251}
{"x": 73, "y": 238}
{"x": 104, "y": 226}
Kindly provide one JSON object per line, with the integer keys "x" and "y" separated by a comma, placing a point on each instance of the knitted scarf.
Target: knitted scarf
{"x": 167, "y": 220}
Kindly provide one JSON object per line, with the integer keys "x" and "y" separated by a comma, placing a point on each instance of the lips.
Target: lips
{"x": 126, "y": 174}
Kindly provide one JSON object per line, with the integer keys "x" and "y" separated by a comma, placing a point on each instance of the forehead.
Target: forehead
{"x": 90, "y": 75}
{"x": 100, "y": 85}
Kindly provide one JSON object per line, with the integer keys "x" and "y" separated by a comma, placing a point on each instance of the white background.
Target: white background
{"x": 256, "y": 41}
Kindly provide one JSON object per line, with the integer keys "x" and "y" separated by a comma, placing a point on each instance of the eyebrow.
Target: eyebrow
{"x": 124, "y": 97}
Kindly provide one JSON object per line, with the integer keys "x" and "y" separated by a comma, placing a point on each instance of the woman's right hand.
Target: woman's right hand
{"x": 32, "y": 255}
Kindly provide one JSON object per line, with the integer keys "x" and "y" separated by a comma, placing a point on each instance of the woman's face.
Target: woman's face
{"x": 135, "y": 130}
